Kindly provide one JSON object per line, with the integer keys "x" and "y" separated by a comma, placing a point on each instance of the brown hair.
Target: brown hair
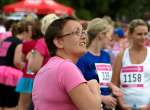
{"x": 20, "y": 27}
{"x": 55, "y": 30}
{"x": 36, "y": 29}
{"x": 134, "y": 23}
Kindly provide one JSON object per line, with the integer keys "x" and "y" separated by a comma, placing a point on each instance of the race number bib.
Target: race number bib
{"x": 132, "y": 76}
{"x": 104, "y": 72}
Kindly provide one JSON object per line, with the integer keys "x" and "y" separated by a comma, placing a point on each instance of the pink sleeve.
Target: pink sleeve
{"x": 70, "y": 76}
{"x": 5, "y": 35}
{"x": 41, "y": 47}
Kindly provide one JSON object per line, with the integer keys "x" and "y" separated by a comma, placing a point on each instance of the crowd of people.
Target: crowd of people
{"x": 59, "y": 63}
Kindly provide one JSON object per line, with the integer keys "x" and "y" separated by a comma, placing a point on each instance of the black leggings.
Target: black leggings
{"x": 8, "y": 96}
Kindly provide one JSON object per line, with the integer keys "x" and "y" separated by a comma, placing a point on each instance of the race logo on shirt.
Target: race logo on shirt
{"x": 104, "y": 72}
{"x": 4, "y": 46}
{"x": 132, "y": 76}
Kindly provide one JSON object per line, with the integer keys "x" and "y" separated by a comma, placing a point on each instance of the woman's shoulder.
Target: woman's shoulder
{"x": 103, "y": 52}
{"x": 13, "y": 39}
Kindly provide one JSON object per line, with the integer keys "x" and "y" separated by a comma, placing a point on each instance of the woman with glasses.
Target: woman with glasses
{"x": 96, "y": 64}
{"x": 59, "y": 85}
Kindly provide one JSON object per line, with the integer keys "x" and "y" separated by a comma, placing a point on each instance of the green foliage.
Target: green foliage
{"x": 117, "y": 9}
{"x": 66, "y": 2}
{"x": 83, "y": 14}
{"x": 131, "y": 9}
{"x": 4, "y": 2}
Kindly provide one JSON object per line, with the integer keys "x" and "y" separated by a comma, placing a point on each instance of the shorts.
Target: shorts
{"x": 8, "y": 96}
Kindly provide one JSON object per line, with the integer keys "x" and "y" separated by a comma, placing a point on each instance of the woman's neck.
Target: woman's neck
{"x": 19, "y": 36}
{"x": 67, "y": 56}
{"x": 137, "y": 48}
{"x": 94, "y": 49}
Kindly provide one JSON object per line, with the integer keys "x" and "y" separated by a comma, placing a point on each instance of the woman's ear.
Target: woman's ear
{"x": 58, "y": 42}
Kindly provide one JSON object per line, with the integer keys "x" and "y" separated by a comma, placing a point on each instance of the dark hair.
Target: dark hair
{"x": 2, "y": 21}
{"x": 55, "y": 30}
{"x": 8, "y": 24}
{"x": 36, "y": 30}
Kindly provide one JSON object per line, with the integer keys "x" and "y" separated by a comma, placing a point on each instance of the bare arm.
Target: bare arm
{"x": 116, "y": 69}
{"x": 19, "y": 57}
{"x": 35, "y": 60}
{"x": 116, "y": 77}
{"x": 86, "y": 96}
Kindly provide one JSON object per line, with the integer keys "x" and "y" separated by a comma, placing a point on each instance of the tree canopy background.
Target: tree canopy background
{"x": 117, "y": 9}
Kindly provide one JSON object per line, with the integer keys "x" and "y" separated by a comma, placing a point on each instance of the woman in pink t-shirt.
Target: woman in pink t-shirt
{"x": 59, "y": 85}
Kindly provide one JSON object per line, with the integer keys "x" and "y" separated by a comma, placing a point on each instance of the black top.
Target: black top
{"x": 7, "y": 50}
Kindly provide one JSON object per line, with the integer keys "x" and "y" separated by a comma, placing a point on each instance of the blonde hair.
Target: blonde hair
{"x": 134, "y": 23}
{"x": 109, "y": 20}
{"x": 96, "y": 26}
{"x": 31, "y": 17}
{"x": 46, "y": 21}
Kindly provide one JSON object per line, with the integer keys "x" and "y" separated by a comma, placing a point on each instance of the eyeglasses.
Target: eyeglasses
{"x": 77, "y": 32}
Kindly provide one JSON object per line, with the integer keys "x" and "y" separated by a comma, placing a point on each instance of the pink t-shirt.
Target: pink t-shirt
{"x": 5, "y": 35}
{"x": 53, "y": 83}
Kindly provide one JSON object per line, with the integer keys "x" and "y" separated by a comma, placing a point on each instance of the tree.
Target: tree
{"x": 117, "y": 9}
{"x": 4, "y": 2}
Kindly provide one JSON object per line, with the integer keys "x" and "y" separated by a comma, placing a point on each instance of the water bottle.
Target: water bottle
{"x": 135, "y": 107}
